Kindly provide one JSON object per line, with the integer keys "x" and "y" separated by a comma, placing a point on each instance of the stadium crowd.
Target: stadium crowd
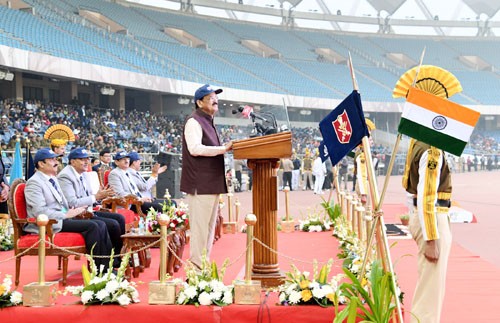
{"x": 145, "y": 132}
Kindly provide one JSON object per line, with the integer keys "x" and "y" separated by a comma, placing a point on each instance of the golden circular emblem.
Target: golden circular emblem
{"x": 432, "y": 164}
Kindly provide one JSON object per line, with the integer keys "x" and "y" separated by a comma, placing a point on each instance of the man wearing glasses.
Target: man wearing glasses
{"x": 203, "y": 173}
{"x": 77, "y": 191}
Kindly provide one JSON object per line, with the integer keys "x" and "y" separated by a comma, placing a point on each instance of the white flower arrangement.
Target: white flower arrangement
{"x": 7, "y": 297}
{"x": 299, "y": 289}
{"x": 204, "y": 286}
{"x": 315, "y": 223}
{"x": 6, "y": 242}
{"x": 105, "y": 288}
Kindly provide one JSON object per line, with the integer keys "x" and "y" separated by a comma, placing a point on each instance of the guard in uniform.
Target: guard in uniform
{"x": 427, "y": 178}
{"x": 59, "y": 136}
{"x": 361, "y": 173}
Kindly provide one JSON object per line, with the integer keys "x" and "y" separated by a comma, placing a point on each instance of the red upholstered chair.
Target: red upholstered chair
{"x": 23, "y": 240}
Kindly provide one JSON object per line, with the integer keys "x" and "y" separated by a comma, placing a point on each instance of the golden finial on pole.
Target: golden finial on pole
{"x": 41, "y": 293}
{"x": 247, "y": 292}
{"x": 162, "y": 291}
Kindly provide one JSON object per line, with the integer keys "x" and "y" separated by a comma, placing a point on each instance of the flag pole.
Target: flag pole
{"x": 387, "y": 175}
{"x": 384, "y": 248}
{"x": 398, "y": 140}
{"x": 27, "y": 162}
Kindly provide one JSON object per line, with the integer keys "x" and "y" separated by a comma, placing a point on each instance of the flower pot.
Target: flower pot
{"x": 405, "y": 221}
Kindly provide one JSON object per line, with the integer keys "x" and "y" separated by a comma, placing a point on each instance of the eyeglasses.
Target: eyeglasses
{"x": 211, "y": 98}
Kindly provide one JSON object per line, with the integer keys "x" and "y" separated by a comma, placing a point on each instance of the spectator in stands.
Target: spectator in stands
{"x": 76, "y": 189}
{"x": 121, "y": 181}
{"x": 203, "y": 175}
{"x": 44, "y": 196}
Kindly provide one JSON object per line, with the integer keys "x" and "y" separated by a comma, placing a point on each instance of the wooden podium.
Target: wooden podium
{"x": 263, "y": 154}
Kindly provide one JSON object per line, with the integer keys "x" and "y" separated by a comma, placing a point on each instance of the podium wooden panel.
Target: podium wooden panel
{"x": 263, "y": 154}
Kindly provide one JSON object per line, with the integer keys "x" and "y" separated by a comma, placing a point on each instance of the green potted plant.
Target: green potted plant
{"x": 405, "y": 219}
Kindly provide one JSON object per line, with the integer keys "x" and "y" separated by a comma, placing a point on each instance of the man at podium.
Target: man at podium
{"x": 203, "y": 174}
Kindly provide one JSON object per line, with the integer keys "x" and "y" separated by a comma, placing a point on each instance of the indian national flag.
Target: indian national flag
{"x": 437, "y": 122}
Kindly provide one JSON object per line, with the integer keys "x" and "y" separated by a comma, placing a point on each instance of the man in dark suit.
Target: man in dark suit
{"x": 44, "y": 196}
{"x": 76, "y": 190}
{"x": 105, "y": 160}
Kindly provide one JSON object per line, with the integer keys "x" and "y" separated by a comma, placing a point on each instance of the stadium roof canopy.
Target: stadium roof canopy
{"x": 409, "y": 17}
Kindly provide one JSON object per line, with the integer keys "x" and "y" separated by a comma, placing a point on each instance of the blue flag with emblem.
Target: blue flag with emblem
{"x": 344, "y": 127}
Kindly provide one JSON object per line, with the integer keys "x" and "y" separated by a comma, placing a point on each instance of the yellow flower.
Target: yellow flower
{"x": 304, "y": 284}
{"x": 306, "y": 295}
{"x": 331, "y": 297}
{"x": 2, "y": 289}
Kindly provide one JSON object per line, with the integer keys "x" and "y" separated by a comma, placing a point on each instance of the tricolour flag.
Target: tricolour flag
{"x": 344, "y": 127}
{"x": 437, "y": 121}
{"x": 17, "y": 165}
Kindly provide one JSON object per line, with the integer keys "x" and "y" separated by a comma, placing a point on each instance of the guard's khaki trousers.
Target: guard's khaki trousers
{"x": 429, "y": 292}
{"x": 202, "y": 220}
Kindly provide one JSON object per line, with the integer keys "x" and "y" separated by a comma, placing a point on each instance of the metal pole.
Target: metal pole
{"x": 250, "y": 220}
{"x": 164, "y": 220}
{"x": 42, "y": 221}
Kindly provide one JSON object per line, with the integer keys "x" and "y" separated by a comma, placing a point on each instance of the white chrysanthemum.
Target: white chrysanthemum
{"x": 318, "y": 292}
{"x": 124, "y": 284}
{"x": 202, "y": 285}
{"x": 291, "y": 288}
{"x": 96, "y": 280}
{"x": 314, "y": 284}
{"x": 327, "y": 226}
{"x": 123, "y": 300}
{"x": 216, "y": 296}
{"x": 228, "y": 297}
{"x": 327, "y": 289}
{"x": 75, "y": 290}
{"x": 112, "y": 286}
{"x": 217, "y": 286}
{"x": 306, "y": 274}
{"x": 181, "y": 298}
{"x": 16, "y": 297}
{"x": 282, "y": 297}
{"x": 87, "y": 296}
{"x": 295, "y": 297}
{"x": 102, "y": 294}
{"x": 135, "y": 296}
{"x": 190, "y": 292}
{"x": 205, "y": 299}
{"x": 354, "y": 268}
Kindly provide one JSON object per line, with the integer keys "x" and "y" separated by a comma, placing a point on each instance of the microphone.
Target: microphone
{"x": 247, "y": 112}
